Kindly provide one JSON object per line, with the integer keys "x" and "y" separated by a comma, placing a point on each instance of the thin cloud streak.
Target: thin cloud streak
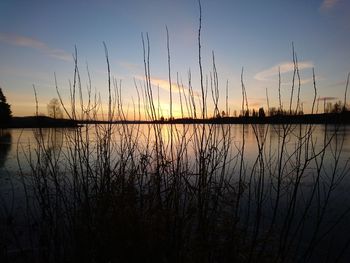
{"x": 164, "y": 85}
{"x": 284, "y": 67}
{"x": 326, "y": 98}
{"x": 22, "y": 41}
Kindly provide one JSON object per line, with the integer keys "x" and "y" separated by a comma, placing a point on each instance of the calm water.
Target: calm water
{"x": 18, "y": 146}
{"x": 18, "y": 150}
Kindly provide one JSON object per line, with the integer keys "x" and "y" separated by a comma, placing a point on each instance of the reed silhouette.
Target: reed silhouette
{"x": 155, "y": 192}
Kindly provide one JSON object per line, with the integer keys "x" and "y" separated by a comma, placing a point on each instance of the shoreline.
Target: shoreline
{"x": 47, "y": 122}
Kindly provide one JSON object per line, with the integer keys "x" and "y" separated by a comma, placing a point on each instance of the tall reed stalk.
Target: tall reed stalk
{"x": 156, "y": 192}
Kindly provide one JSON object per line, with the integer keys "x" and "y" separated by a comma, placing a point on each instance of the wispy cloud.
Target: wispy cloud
{"x": 256, "y": 104}
{"x": 326, "y": 98}
{"x": 284, "y": 67}
{"x": 328, "y": 4}
{"x": 22, "y": 41}
{"x": 164, "y": 85}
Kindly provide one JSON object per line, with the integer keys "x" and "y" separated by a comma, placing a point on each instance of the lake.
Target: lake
{"x": 288, "y": 184}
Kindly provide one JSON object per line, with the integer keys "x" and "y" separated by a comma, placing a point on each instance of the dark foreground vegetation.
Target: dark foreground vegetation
{"x": 122, "y": 192}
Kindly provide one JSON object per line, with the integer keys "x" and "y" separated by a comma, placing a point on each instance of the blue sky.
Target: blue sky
{"x": 37, "y": 39}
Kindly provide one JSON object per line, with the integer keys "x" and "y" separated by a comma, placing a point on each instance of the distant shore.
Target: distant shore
{"x": 39, "y": 122}
{"x": 47, "y": 122}
{"x": 324, "y": 118}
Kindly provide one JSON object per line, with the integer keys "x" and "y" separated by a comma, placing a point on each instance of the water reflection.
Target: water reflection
{"x": 309, "y": 181}
{"x": 51, "y": 140}
{"x": 5, "y": 146}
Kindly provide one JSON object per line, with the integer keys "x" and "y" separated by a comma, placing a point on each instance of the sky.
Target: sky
{"x": 38, "y": 39}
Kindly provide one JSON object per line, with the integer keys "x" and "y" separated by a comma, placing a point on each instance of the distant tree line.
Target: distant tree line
{"x": 54, "y": 109}
{"x": 337, "y": 107}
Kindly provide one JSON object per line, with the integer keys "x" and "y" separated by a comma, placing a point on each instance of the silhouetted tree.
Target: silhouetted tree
{"x": 273, "y": 111}
{"x": 328, "y": 107}
{"x": 254, "y": 113}
{"x": 5, "y": 109}
{"x": 337, "y": 107}
{"x": 54, "y": 109}
{"x": 261, "y": 112}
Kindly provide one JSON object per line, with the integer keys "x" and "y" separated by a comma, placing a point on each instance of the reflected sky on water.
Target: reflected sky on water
{"x": 5, "y": 146}
{"x": 17, "y": 143}
{"x": 18, "y": 146}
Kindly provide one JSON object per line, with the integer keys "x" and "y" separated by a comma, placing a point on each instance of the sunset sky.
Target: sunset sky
{"x": 37, "y": 39}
